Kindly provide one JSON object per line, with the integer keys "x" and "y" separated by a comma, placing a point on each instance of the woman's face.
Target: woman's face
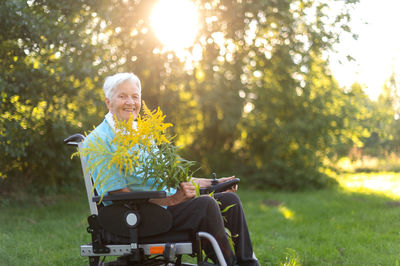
{"x": 125, "y": 101}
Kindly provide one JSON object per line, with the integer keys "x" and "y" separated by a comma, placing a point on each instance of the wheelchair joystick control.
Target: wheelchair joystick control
{"x": 219, "y": 187}
{"x": 214, "y": 180}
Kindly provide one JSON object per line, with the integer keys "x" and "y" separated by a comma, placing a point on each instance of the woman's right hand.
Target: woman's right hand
{"x": 187, "y": 191}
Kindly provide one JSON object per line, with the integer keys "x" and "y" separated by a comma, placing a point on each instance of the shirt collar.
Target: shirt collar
{"x": 110, "y": 119}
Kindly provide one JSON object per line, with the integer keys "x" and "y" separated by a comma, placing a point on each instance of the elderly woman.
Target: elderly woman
{"x": 123, "y": 100}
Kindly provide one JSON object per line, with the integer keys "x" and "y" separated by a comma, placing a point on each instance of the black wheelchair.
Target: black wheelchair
{"x": 139, "y": 232}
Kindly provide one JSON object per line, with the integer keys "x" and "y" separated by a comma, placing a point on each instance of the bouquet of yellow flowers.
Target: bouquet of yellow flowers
{"x": 144, "y": 149}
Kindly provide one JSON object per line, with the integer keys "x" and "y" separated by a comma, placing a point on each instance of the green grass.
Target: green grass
{"x": 48, "y": 231}
{"x": 350, "y": 225}
{"x": 357, "y": 223}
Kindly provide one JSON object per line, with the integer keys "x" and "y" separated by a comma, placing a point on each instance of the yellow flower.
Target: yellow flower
{"x": 150, "y": 130}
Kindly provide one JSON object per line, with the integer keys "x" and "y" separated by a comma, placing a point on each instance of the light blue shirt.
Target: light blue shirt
{"x": 116, "y": 180}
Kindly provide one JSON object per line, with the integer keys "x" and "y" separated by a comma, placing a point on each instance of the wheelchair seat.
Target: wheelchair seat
{"x": 138, "y": 231}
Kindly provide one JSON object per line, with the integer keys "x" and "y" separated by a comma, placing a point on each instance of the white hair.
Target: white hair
{"x": 113, "y": 81}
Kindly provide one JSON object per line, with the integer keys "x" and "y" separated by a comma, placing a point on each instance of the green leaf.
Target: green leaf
{"x": 227, "y": 208}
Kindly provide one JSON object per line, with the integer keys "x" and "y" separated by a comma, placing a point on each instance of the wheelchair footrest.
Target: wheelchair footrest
{"x": 148, "y": 249}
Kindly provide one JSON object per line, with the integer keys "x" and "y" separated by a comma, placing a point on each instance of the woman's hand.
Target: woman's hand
{"x": 184, "y": 193}
{"x": 187, "y": 190}
{"x": 206, "y": 182}
{"x": 225, "y": 179}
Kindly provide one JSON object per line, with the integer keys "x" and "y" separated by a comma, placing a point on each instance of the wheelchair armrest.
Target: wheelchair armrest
{"x": 134, "y": 195}
{"x": 74, "y": 139}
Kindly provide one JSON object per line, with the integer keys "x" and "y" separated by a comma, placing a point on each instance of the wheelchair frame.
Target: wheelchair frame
{"x": 168, "y": 252}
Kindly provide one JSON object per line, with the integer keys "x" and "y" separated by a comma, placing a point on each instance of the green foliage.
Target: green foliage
{"x": 371, "y": 126}
{"x": 46, "y": 61}
{"x": 261, "y": 101}
{"x": 274, "y": 109}
{"x": 386, "y": 128}
{"x": 173, "y": 168}
{"x": 269, "y": 109}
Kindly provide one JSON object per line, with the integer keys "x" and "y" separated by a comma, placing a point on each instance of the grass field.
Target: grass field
{"x": 355, "y": 224}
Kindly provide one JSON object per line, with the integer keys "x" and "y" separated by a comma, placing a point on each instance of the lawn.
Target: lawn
{"x": 355, "y": 224}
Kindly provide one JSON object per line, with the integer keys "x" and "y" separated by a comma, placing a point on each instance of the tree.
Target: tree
{"x": 48, "y": 75}
{"x": 267, "y": 100}
{"x": 387, "y": 123}
{"x": 259, "y": 102}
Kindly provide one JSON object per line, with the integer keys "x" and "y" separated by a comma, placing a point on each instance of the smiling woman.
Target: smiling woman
{"x": 175, "y": 23}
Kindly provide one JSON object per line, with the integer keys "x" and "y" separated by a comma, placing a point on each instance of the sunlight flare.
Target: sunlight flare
{"x": 287, "y": 213}
{"x": 175, "y": 23}
{"x": 387, "y": 184}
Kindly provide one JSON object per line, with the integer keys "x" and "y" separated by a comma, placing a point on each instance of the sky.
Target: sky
{"x": 376, "y": 51}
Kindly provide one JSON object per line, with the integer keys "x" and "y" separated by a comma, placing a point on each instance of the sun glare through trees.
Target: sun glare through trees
{"x": 175, "y": 23}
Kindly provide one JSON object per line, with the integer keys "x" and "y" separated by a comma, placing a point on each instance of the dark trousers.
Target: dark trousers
{"x": 204, "y": 214}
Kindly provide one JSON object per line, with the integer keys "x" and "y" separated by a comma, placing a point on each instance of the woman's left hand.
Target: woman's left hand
{"x": 225, "y": 179}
